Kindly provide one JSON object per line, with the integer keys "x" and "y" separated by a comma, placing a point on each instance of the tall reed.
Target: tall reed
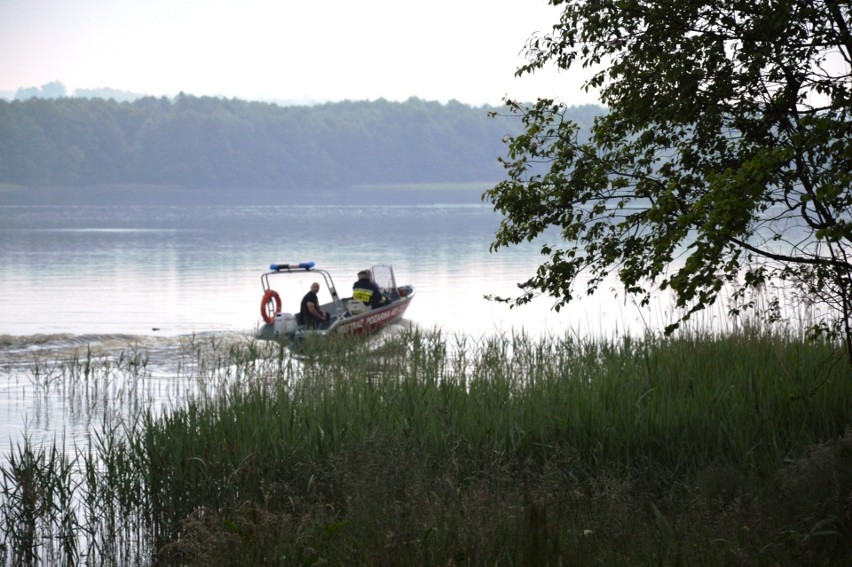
{"x": 38, "y": 516}
{"x": 429, "y": 449}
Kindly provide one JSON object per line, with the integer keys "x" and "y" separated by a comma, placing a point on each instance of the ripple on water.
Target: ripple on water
{"x": 61, "y": 388}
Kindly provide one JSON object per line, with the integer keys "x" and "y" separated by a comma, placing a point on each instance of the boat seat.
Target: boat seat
{"x": 356, "y": 307}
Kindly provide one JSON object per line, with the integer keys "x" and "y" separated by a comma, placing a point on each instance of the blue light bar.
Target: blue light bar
{"x": 300, "y": 266}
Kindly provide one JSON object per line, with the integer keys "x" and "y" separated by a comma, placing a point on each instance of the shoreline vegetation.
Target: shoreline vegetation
{"x": 424, "y": 449}
{"x": 211, "y": 150}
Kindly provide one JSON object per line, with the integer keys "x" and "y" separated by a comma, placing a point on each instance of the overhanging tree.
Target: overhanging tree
{"x": 722, "y": 163}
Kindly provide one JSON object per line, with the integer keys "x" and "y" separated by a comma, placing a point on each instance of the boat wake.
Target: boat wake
{"x": 22, "y": 350}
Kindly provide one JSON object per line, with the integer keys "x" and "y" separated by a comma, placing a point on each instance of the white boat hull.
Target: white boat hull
{"x": 364, "y": 323}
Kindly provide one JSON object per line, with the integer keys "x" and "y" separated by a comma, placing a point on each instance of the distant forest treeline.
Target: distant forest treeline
{"x": 76, "y": 149}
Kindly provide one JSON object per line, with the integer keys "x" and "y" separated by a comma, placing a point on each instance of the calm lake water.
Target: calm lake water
{"x": 178, "y": 270}
{"x": 123, "y": 279}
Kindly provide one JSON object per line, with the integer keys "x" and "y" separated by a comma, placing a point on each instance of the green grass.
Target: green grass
{"x": 436, "y": 450}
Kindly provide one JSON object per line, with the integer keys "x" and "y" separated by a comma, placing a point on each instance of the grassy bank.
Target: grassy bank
{"x": 435, "y": 450}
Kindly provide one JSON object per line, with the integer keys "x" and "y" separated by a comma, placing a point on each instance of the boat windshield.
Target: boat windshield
{"x": 384, "y": 278}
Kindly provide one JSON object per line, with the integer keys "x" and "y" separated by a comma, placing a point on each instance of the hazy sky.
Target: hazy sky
{"x": 332, "y": 50}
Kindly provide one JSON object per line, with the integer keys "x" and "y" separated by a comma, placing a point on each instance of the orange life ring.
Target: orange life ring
{"x": 270, "y": 305}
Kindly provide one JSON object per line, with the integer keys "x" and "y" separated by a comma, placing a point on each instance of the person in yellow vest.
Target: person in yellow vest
{"x": 366, "y": 291}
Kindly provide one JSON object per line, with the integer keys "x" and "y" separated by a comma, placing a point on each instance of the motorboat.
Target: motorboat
{"x": 348, "y": 316}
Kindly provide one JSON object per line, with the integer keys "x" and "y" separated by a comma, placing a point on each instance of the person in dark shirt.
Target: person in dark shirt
{"x": 312, "y": 314}
{"x": 366, "y": 291}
